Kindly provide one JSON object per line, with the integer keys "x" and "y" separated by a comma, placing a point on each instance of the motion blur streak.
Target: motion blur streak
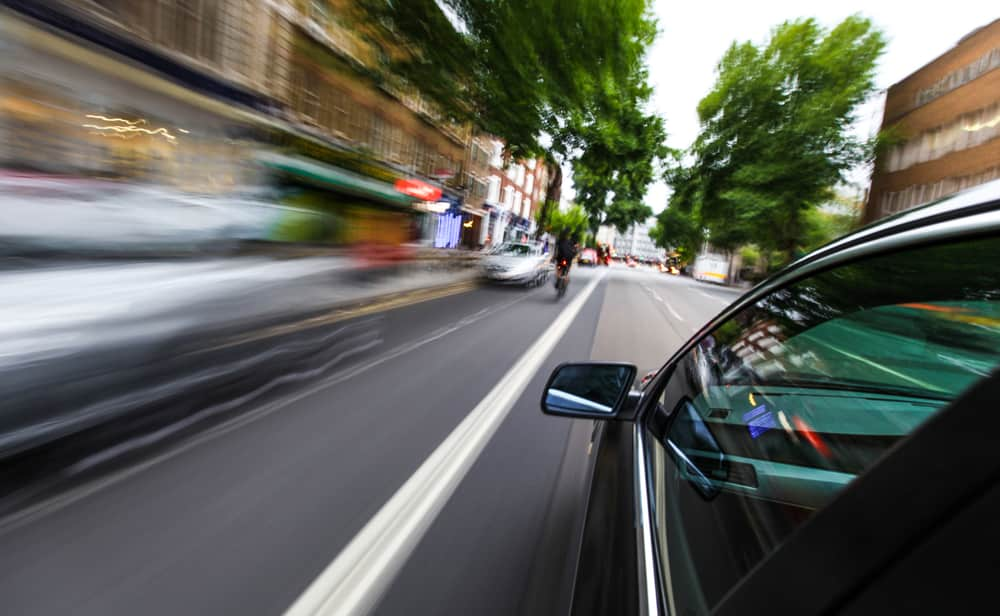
{"x": 813, "y": 438}
{"x": 159, "y": 268}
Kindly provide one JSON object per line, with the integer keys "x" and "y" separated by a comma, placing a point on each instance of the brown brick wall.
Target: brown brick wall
{"x": 973, "y": 96}
{"x": 912, "y": 121}
{"x": 956, "y": 164}
{"x": 901, "y": 97}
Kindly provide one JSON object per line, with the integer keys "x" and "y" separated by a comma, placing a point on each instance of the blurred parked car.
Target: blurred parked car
{"x": 822, "y": 446}
{"x": 82, "y": 217}
{"x": 517, "y": 263}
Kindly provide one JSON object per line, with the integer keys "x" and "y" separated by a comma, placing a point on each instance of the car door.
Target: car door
{"x": 767, "y": 440}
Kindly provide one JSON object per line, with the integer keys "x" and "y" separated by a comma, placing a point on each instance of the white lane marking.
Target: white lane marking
{"x": 672, "y": 311}
{"x": 664, "y": 302}
{"x": 710, "y": 296}
{"x": 64, "y": 499}
{"x": 356, "y": 579}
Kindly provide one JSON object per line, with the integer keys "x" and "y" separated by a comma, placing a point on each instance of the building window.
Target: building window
{"x": 526, "y": 208}
{"x": 530, "y": 185}
{"x": 987, "y": 62}
{"x": 508, "y": 197}
{"x": 188, "y": 26}
{"x": 913, "y": 196}
{"x": 478, "y": 188}
{"x": 967, "y": 131}
{"x": 493, "y": 194}
{"x": 338, "y": 104}
{"x": 496, "y": 161}
{"x": 305, "y": 97}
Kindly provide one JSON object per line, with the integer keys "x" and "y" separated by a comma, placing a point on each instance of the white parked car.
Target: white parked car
{"x": 517, "y": 263}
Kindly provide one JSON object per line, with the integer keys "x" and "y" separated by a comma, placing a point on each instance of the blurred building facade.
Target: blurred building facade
{"x": 948, "y": 115}
{"x": 515, "y": 191}
{"x": 636, "y": 242}
{"x": 183, "y": 92}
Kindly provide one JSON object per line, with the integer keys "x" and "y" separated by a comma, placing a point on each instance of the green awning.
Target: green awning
{"x": 336, "y": 179}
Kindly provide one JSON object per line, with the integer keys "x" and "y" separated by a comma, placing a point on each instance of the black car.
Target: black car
{"x": 826, "y": 445}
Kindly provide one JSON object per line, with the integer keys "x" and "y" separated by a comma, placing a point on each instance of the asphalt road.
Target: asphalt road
{"x": 242, "y": 518}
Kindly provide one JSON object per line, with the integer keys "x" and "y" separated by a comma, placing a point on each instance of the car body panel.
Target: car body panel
{"x": 970, "y": 214}
{"x": 517, "y": 263}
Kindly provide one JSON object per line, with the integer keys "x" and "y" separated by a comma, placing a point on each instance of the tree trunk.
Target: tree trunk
{"x": 553, "y": 191}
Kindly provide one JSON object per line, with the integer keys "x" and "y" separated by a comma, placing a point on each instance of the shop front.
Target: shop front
{"x": 472, "y": 229}
{"x": 443, "y": 222}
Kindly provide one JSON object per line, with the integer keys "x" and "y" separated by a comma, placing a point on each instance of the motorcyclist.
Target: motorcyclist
{"x": 565, "y": 251}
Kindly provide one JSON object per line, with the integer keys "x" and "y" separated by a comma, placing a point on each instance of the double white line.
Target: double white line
{"x": 353, "y": 583}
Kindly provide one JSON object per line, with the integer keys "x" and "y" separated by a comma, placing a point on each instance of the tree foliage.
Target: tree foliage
{"x": 573, "y": 221}
{"x": 834, "y": 219}
{"x": 569, "y": 73}
{"x": 675, "y": 230}
{"x": 775, "y": 133}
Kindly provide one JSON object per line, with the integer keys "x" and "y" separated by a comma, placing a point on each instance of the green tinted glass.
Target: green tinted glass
{"x": 776, "y": 411}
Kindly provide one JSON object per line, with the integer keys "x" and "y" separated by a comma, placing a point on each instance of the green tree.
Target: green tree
{"x": 573, "y": 221}
{"x": 570, "y": 70}
{"x": 676, "y": 230}
{"x": 775, "y": 133}
{"x": 832, "y": 220}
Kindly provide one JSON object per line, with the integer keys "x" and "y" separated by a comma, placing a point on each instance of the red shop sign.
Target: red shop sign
{"x": 418, "y": 189}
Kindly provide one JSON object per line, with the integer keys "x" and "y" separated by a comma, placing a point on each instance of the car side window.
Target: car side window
{"x": 770, "y": 415}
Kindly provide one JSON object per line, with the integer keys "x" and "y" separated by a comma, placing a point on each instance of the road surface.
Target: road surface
{"x": 242, "y": 518}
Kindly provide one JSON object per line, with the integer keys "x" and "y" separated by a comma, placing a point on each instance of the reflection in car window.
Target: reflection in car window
{"x": 774, "y": 412}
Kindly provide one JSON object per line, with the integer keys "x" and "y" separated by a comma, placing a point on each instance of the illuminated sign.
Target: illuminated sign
{"x": 449, "y": 230}
{"x": 418, "y": 189}
{"x": 437, "y": 207}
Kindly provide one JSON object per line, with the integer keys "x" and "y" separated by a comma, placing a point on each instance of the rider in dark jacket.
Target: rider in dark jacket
{"x": 565, "y": 250}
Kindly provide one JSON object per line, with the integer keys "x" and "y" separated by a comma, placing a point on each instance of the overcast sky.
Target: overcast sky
{"x": 694, "y": 35}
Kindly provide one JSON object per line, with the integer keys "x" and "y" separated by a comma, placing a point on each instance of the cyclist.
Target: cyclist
{"x": 565, "y": 252}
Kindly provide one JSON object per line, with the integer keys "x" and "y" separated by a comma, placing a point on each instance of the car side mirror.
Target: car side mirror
{"x": 590, "y": 390}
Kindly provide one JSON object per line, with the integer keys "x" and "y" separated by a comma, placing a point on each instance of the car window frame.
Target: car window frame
{"x": 977, "y": 224}
{"x": 968, "y": 224}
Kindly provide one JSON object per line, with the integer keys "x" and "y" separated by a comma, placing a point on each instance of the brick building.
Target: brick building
{"x": 515, "y": 190}
{"x": 948, "y": 113}
{"x": 239, "y": 76}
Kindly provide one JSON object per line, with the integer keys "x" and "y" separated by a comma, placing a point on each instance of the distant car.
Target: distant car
{"x": 517, "y": 263}
{"x": 631, "y": 262}
{"x": 588, "y": 256}
{"x": 825, "y": 445}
